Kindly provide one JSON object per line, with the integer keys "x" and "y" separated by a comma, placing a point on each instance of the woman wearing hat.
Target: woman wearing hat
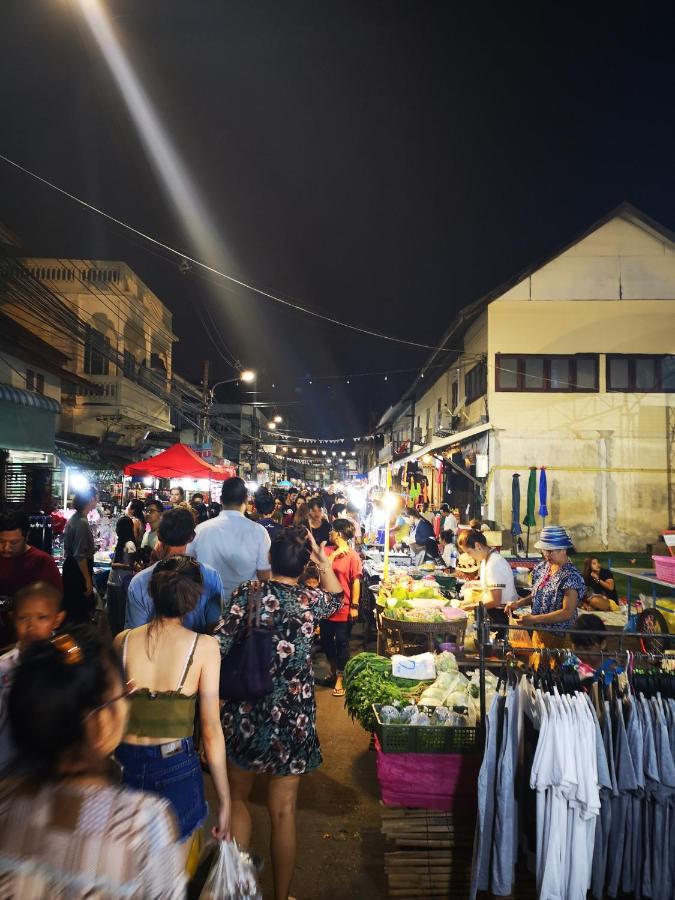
{"x": 557, "y": 587}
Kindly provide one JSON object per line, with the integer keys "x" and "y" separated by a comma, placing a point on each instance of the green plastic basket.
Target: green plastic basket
{"x": 396, "y": 738}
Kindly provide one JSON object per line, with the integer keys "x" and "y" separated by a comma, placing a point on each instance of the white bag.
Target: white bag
{"x": 232, "y": 876}
{"x": 421, "y": 667}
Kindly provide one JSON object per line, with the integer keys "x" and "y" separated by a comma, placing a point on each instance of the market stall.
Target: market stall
{"x": 181, "y": 467}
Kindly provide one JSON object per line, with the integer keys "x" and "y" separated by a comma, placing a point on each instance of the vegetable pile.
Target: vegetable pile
{"x": 412, "y": 715}
{"x": 368, "y": 680}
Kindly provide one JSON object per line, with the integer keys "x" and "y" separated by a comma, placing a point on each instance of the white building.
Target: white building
{"x": 116, "y": 334}
{"x": 571, "y": 367}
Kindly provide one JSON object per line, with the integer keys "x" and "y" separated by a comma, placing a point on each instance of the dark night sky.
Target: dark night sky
{"x": 385, "y": 163}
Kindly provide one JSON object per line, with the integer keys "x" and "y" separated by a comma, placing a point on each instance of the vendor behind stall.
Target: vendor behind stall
{"x": 557, "y": 587}
{"x": 496, "y": 577}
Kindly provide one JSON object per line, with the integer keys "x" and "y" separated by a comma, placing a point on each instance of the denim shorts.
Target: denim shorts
{"x": 177, "y": 778}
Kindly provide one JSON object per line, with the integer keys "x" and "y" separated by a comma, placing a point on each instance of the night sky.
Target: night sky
{"x": 383, "y": 163}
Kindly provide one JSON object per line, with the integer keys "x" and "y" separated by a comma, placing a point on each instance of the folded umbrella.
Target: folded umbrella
{"x": 543, "y": 491}
{"x": 529, "y": 519}
{"x": 515, "y": 505}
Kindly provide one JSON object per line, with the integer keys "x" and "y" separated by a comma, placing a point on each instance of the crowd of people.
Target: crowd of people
{"x": 80, "y": 713}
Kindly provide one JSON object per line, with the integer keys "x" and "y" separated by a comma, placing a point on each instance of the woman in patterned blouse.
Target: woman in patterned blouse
{"x": 277, "y": 734}
{"x": 557, "y": 587}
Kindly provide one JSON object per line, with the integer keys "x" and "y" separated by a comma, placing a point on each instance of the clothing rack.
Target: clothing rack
{"x": 484, "y": 627}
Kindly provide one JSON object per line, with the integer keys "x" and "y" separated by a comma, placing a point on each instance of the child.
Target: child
{"x": 586, "y": 645}
{"x": 36, "y": 615}
{"x": 335, "y": 631}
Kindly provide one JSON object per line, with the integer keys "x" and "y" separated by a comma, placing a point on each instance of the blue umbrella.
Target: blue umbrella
{"x": 543, "y": 490}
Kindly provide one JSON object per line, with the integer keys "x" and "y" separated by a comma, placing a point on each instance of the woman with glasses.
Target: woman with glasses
{"x": 557, "y": 587}
{"x": 66, "y": 828}
{"x": 172, "y": 667}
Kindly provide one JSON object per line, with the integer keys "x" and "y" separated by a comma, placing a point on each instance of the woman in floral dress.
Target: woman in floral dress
{"x": 277, "y": 735}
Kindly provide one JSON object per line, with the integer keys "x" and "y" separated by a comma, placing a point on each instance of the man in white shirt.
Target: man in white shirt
{"x": 448, "y": 519}
{"x": 236, "y": 547}
{"x": 496, "y": 576}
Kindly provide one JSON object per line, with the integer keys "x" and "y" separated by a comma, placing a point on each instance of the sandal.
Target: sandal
{"x": 338, "y": 692}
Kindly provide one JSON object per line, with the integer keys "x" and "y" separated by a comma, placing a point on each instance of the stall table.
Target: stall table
{"x": 646, "y": 575}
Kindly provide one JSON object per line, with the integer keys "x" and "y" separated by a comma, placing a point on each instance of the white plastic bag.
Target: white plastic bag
{"x": 232, "y": 876}
{"x": 421, "y": 667}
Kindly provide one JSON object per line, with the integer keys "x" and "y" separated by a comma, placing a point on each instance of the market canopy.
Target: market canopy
{"x": 179, "y": 461}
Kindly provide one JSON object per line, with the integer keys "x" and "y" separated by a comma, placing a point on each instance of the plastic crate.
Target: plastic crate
{"x": 665, "y": 568}
{"x": 396, "y": 738}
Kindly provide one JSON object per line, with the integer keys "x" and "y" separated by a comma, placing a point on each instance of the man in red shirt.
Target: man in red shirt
{"x": 336, "y": 630}
{"x": 20, "y": 564}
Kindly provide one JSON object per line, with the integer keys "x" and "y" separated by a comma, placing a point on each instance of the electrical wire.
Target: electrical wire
{"x": 207, "y": 268}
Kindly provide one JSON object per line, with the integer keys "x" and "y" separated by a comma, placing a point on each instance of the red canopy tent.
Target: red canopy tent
{"x": 179, "y": 461}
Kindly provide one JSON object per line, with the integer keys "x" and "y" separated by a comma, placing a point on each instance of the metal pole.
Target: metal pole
{"x": 480, "y": 631}
{"x": 387, "y": 513}
{"x": 205, "y": 403}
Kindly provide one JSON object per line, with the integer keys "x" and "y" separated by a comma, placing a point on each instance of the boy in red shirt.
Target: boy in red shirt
{"x": 335, "y": 631}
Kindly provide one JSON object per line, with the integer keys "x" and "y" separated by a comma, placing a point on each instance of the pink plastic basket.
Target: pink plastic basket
{"x": 443, "y": 781}
{"x": 665, "y": 568}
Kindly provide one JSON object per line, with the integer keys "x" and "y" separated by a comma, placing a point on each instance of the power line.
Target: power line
{"x": 250, "y": 287}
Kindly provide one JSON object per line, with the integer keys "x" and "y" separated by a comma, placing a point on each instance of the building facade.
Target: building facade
{"x": 571, "y": 368}
{"x": 115, "y": 333}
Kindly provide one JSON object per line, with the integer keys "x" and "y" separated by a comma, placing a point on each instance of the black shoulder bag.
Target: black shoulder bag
{"x": 245, "y": 671}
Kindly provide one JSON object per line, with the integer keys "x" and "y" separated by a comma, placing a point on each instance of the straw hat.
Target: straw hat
{"x": 467, "y": 564}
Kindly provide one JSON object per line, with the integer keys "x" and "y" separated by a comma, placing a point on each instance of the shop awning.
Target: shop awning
{"x": 179, "y": 461}
{"x": 27, "y": 420}
{"x": 29, "y": 399}
{"x": 447, "y": 441}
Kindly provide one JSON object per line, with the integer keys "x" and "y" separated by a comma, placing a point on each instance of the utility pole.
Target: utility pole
{"x": 254, "y": 435}
{"x": 205, "y": 403}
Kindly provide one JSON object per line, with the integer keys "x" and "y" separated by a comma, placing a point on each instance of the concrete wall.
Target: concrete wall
{"x": 607, "y": 453}
{"x": 13, "y": 371}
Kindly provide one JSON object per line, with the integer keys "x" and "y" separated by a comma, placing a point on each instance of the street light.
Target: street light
{"x": 271, "y": 426}
{"x": 247, "y": 376}
{"x": 278, "y": 420}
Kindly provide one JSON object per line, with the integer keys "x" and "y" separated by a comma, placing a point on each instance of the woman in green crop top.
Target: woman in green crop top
{"x": 172, "y": 666}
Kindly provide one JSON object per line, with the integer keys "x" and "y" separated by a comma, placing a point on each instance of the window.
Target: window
{"x": 96, "y": 352}
{"x": 438, "y": 413}
{"x": 641, "y": 374}
{"x": 129, "y": 364}
{"x": 546, "y": 373}
{"x": 475, "y": 382}
{"x": 35, "y": 381}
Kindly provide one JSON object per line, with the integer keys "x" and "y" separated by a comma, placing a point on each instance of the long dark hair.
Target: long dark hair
{"x": 175, "y": 586}
{"x": 588, "y": 563}
{"x": 138, "y": 509}
{"x": 125, "y": 533}
{"x": 53, "y": 688}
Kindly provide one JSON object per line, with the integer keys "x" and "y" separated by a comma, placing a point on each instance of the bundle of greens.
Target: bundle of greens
{"x": 368, "y": 680}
